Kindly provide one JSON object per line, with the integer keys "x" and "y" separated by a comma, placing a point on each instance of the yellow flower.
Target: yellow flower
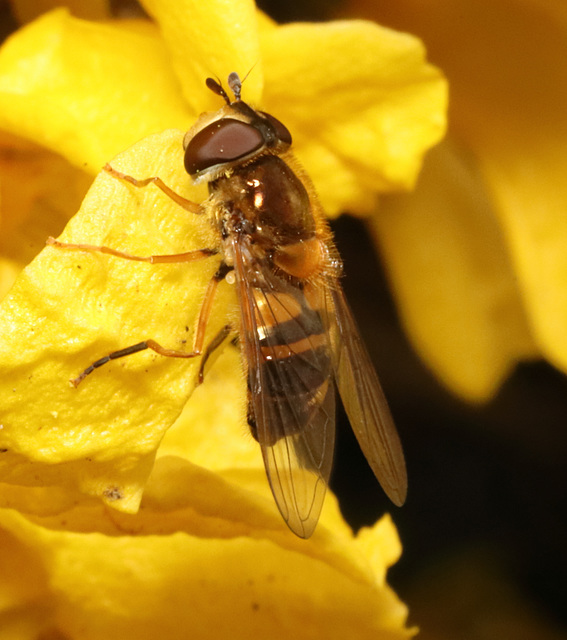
{"x": 363, "y": 106}
{"x": 477, "y": 255}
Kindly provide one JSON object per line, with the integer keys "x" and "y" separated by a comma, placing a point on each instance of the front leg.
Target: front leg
{"x": 188, "y": 205}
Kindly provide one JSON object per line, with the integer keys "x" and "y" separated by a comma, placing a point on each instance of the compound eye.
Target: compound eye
{"x": 222, "y": 141}
{"x": 282, "y": 132}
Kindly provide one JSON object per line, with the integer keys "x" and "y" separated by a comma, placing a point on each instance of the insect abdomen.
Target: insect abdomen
{"x": 295, "y": 361}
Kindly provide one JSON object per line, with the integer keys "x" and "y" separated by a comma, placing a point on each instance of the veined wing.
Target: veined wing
{"x": 290, "y": 386}
{"x": 364, "y": 400}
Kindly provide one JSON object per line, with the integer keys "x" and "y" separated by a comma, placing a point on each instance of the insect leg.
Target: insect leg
{"x": 214, "y": 344}
{"x": 188, "y": 256}
{"x": 140, "y": 346}
{"x": 205, "y": 312}
{"x": 198, "y": 341}
{"x": 188, "y": 205}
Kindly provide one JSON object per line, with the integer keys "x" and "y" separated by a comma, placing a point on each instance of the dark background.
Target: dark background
{"x": 486, "y": 484}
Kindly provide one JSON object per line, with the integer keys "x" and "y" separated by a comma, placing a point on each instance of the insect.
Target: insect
{"x": 298, "y": 337}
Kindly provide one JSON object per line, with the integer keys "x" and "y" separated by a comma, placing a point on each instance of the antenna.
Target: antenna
{"x": 235, "y": 84}
{"x": 216, "y": 87}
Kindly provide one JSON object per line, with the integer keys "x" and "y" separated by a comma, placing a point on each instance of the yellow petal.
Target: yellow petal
{"x": 70, "y": 308}
{"x": 28, "y": 10}
{"x": 211, "y": 432}
{"x": 337, "y": 185}
{"x": 39, "y": 191}
{"x": 508, "y": 106}
{"x": 137, "y": 579}
{"x": 9, "y": 271}
{"x": 379, "y": 106}
{"x": 454, "y": 285}
{"x": 87, "y": 90}
{"x": 522, "y": 155}
{"x": 210, "y": 38}
{"x": 380, "y": 545}
{"x": 24, "y": 611}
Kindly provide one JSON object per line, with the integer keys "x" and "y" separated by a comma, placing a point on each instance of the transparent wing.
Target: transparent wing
{"x": 291, "y": 393}
{"x": 364, "y": 400}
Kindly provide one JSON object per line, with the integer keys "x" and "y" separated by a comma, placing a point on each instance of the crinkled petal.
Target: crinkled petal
{"x": 87, "y": 90}
{"x": 70, "y": 308}
{"x": 453, "y": 281}
{"x": 210, "y": 38}
{"x": 379, "y": 106}
{"x": 170, "y": 569}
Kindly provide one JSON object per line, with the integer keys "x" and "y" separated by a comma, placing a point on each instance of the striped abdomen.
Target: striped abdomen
{"x": 294, "y": 365}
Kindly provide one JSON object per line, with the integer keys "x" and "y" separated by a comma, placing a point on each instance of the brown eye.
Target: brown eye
{"x": 222, "y": 141}
{"x": 282, "y": 132}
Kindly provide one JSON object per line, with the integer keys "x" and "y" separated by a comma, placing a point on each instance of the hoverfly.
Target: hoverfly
{"x": 297, "y": 334}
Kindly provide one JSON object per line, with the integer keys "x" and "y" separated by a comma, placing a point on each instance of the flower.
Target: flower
{"x": 476, "y": 255}
{"x": 104, "y": 523}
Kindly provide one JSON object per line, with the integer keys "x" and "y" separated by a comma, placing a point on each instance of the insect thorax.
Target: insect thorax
{"x": 265, "y": 198}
